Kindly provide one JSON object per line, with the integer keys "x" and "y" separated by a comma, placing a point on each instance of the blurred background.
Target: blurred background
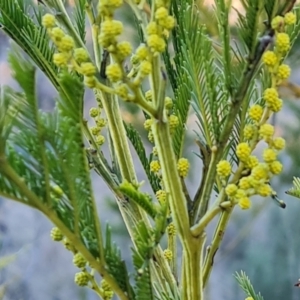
{"x": 263, "y": 241}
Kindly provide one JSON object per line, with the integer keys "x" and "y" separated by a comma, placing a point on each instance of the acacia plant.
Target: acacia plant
{"x": 189, "y": 61}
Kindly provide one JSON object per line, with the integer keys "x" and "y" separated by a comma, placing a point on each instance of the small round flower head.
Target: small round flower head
{"x": 114, "y": 72}
{"x": 260, "y": 172}
{"x": 148, "y": 95}
{"x": 48, "y": 21}
{"x": 56, "y": 234}
{"x": 156, "y": 43}
{"x": 276, "y": 167}
{"x": 231, "y": 189}
{"x": 148, "y": 123}
{"x": 283, "y": 72}
{"x": 57, "y": 34}
{"x": 122, "y": 91}
{"x": 124, "y": 49}
{"x": 290, "y": 18}
{"x": 244, "y": 203}
{"x": 95, "y": 130}
{"x": 161, "y": 196}
{"x": 251, "y": 162}
{"x": 240, "y": 193}
{"x": 168, "y": 254}
{"x": 161, "y": 13}
{"x": 152, "y": 28}
{"x": 79, "y": 261}
{"x": 223, "y": 168}
{"x": 90, "y": 81}
{"x": 270, "y": 95}
{"x": 94, "y": 112}
{"x": 243, "y": 151}
{"x": 183, "y": 167}
{"x": 255, "y": 183}
{"x": 255, "y": 112}
{"x": 249, "y": 298}
{"x": 142, "y": 52}
{"x": 244, "y": 183}
{"x": 276, "y": 105}
{"x": 160, "y": 3}
{"x": 171, "y": 229}
{"x": 266, "y": 131}
{"x": 168, "y": 23}
{"x": 111, "y": 28}
{"x": 81, "y": 279}
{"x": 282, "y": 42}
{"x": 60, "y": 59}
{"x": 168, "y": 103}
{"x": 249, "y": 131}
{"x": 277, "y": 22}
{"x": 145, "y": 68}
{"x": 101, "y": 122}
{"x": 81, "y": 55}
{"x": 100, "y": 140}
{"x": 154, "y": 166}
{"x": 88, "y": 69}
{"x": 264, "y": 190}
{"x": 154, "y": 151}
{"x": 269, "y": 59}
{"x": 66, "y": 44}
{"x": 151, "y": 137}
{"x": 173, "y": 122}
{"x": 105, "y": 286}
{"x": 269, "y": 155}
{"x": 278, "y": 143}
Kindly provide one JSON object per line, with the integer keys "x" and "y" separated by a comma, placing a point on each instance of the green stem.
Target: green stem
{"x": 130, "y": 212}
{"x": 95, "y": 33}
{"x": 62, "y": 14}
{"x": 193, "y": 260}
{"x": 155, "y": 80}
{"x": 217, "y": 239}
{"x": 210, "y": 214}
{"x": 171, "y": 179}
{"x": 9, "y": 172}
{"x": 119, "y": 138}
{"x": 142, "y": 102}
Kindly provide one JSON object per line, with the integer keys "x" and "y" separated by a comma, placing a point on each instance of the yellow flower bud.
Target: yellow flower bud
{"x": 223, "y": 168}
{"x": 183, "y": 167}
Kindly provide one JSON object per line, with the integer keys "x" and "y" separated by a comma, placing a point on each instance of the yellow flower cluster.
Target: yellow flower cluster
{"x": 68, "y": 55}
{"x": 95, "y": 113}
{"x": 223, "y": 168}
{"x": 261, "y": 172}
{"x": 258, "y": 129}
{"x": 171, "y": 229}
{"x": 161, "y": 196}
{"x": 168, "y": 254}
{"x": 155, "y": 166}
{"x": 183, "y": 167}
{"x": 82, "y": 278}
{"x": 106, "y": 291}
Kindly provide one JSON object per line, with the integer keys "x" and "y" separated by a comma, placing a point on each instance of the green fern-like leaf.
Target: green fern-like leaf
{"x": 116, "y": 266}
{"x": 141, "y": 257}
{"x": 249, "y": 24}
{"x": 295, "y": 190}
{"x": 79, "y": 18}
{"x": 30, "y": 37}
{"x": 138, "y": 145}
{"x": 246, "y": 285}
